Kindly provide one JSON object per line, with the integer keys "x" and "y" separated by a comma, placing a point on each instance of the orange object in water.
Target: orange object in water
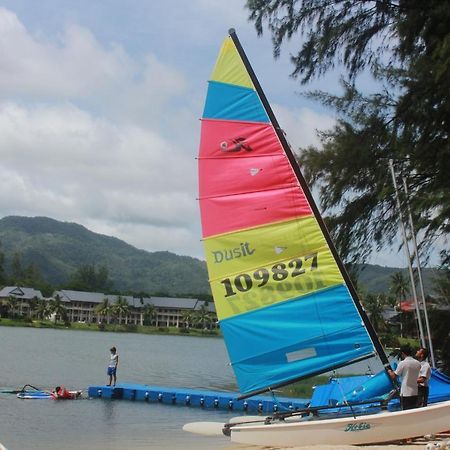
{"x": 61, "y": 393}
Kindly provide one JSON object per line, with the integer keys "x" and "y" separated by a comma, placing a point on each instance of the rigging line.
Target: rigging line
{"x": 407, "y": 253}
{"x": 344, "y": 398}
{"x": 277, "y": 402}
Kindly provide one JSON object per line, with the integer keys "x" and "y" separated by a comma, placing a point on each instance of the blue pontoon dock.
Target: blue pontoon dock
{"x": 323, "y": 395}
{"x": 196, "y": 398}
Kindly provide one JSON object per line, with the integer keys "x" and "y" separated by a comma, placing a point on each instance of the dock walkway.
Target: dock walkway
{"x": 263, "y": 404}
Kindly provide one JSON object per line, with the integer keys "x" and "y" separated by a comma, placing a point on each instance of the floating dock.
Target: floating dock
{"x": 263, "y": 404}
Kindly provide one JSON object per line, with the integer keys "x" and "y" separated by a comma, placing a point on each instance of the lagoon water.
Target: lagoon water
{"x": 46, "y": 358}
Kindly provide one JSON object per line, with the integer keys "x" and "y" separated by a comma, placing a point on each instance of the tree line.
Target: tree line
{"x": 86, "y": 277}
{"x": 405, "y": 323}
{"x": 405, "y": 46}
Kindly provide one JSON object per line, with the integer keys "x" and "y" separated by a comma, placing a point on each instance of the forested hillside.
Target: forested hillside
{"x": 57, "y": 250}
{"x": 378, "y": 279}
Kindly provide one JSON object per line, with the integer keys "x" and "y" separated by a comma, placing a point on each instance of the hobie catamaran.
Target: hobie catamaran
{"x": 286, "y": 305}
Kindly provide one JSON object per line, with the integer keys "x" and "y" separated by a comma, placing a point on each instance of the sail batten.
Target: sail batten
{"x": 285, "y": 303}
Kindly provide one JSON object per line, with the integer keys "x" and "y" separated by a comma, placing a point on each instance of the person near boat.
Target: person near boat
{"x": 424, "y": 377}
{"x": 408, "y": 370}
{"x": 112, "y": 367}
{"x": 61, "y": 393}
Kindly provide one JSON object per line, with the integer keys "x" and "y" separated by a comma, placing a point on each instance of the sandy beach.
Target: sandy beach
{"x": 420, "y": 443}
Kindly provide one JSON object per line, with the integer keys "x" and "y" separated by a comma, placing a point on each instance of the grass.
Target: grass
{"x": 108, "y": 327}
{"x": 304, "y": 388}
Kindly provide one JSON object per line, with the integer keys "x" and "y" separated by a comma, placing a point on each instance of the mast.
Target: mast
{"x": 419, "y": 272}
{"x": 407, "y": 254}
{"x": 372, "y": 334}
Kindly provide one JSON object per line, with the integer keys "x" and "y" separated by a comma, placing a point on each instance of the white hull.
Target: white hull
{"x": 369, "y": 429}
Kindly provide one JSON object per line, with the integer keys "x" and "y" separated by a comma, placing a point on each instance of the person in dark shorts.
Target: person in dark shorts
{"x": 424, "y": 376}
{"x": 408, "y": 370}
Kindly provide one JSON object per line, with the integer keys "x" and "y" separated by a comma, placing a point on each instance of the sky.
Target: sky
{"x": 99, "y": 112}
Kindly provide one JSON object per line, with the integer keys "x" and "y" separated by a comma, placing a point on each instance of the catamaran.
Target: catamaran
{"x": 286, "y": 305}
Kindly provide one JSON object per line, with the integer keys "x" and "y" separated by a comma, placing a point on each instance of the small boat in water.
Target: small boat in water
{"x": 32, "y": 395}
{"x": 59, "y": 393}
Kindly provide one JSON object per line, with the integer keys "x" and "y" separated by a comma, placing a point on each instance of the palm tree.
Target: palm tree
{"x": 104, "y": 309}
{"x": 42, "y": 309}
{"x": 32, "y": 305}
{"x": 121, "y": 308}
{"x": 203, "y": 317}
{"x": 187, "y": 317}
{"x": 58, "y": 309}
{"x": 374, "y": 305}
{"x": 400, "y": 288}
{"x": 11, "y": 303}
{"x": 149, "y": 313}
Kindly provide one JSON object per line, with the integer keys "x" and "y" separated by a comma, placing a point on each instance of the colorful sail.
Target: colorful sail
{"x": 285, "y": 309}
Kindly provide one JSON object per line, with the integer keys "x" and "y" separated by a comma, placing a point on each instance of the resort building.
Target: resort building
{"x": 19, "y": 299}
{"x": 165, "y": 311}
{"x": 96, "y": 307}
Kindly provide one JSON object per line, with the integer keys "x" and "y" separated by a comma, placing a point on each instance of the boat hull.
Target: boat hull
{"x": 368, "y": 429}
{"x": 33, "y": 395}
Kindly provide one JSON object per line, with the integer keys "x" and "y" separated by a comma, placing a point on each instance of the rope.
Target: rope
{"x": 280, "y": 406}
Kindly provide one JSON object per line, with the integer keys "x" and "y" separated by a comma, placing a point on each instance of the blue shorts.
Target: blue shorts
{"x": 111, "y": 371}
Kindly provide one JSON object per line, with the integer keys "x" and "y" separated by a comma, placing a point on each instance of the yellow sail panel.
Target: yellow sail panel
{"x": 229, "y": 67}
{"x": 285, "y": 280}
{"x": 235, "y": 252}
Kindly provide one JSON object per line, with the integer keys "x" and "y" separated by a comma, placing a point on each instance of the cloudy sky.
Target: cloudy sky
{"x": 99, "y": 109}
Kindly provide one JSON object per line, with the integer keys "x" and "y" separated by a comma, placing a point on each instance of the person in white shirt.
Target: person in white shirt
{"x": 112, "y": 367}
{"x": 424, "y": 377}
{"x": 408, "y": 370}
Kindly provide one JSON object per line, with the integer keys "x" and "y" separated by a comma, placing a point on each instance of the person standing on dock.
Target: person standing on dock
{"x": 112, "y": 367}
{"x": 424, "y": 376}
{"x": 408, "y": 369}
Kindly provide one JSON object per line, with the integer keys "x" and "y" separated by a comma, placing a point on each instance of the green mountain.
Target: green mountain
{"x": 58, "y": 249}
{"x": 377, "y": 278}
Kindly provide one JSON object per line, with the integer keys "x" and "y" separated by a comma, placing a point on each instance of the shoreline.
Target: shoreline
{"x": 110, "y": 328}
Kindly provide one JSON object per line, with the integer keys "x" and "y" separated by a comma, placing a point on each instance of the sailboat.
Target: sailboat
{"x": 286, "y": 305}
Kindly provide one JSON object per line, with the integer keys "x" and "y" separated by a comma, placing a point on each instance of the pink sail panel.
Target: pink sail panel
{"x": 233, "y": 176}
{"x": 245, "y": 178}
{"x": 222, "y": 138}
{"x": 241, "y": 211}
